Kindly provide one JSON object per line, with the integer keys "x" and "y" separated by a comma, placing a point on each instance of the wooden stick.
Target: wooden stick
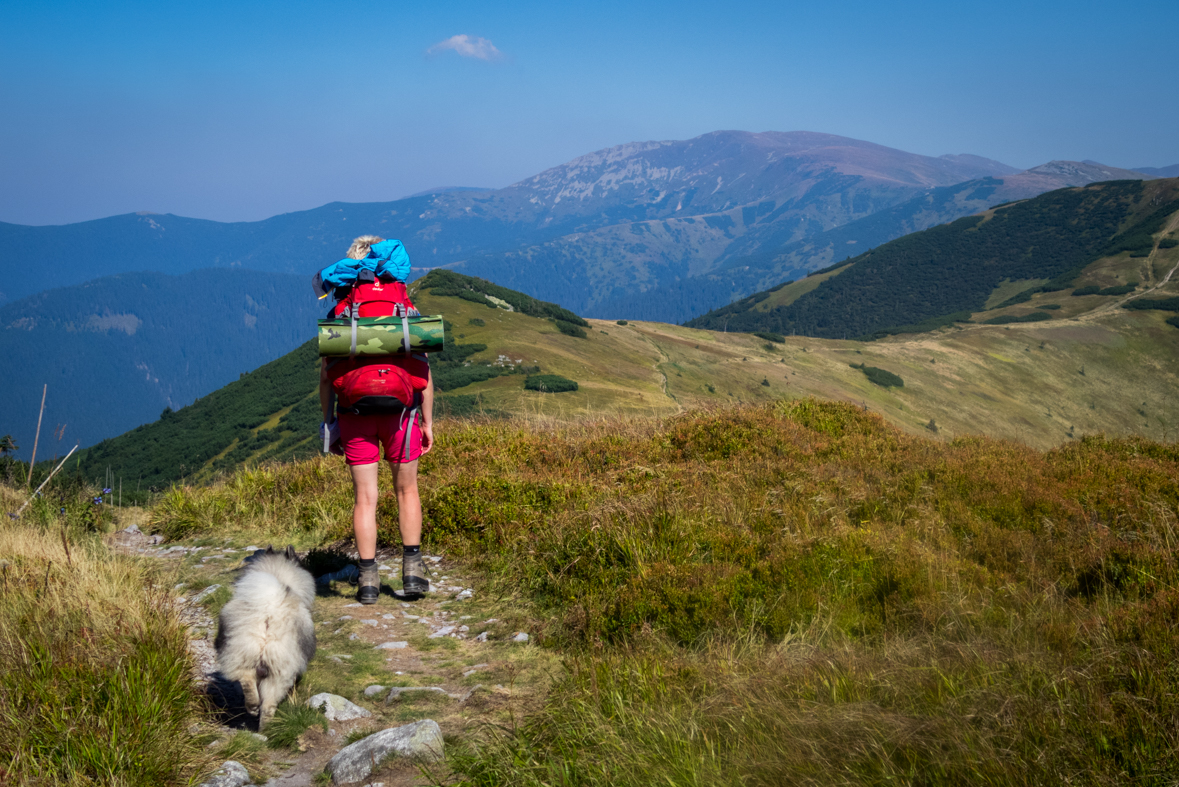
{"x": 37, "y": 437}
{"x": 46, "y": 481}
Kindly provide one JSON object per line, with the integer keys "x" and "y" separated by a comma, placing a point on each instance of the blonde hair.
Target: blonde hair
{"x": 359, "y": 248}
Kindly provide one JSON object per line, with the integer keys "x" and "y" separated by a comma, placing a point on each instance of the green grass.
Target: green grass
{"x": 95, "y": 683}
{"x": 291, "y": 720}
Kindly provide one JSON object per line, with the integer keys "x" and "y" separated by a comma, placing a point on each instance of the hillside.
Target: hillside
{"x": 952, "y": 270}
{"x": 1095, "y": 368}
{"x": 783, "y": 259}
{"x": 117, "y": 351}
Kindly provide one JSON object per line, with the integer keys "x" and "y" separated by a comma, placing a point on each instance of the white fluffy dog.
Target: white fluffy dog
{"x": 265, "y": 634}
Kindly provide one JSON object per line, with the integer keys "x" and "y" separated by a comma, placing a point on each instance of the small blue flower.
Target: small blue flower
{"x": 106, "y": 490}
{"x": 97, "y": 501}
{"x": 63, "y": 509}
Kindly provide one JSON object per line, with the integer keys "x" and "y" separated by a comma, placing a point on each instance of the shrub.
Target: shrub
{"x": 549, "y": 383}
{"x": 770, "y": 337}
{"x": 569, "y": 329}
{"x": 1162, "y": 304}
{"x": 622, "y": 322}
{"x": 882, "y": 378}
{"x": 476, "y": 321}
{"x": 1168, "y": 243}
{"x": 1173, "y": 321}
{"x": 1121, "y": 289}
{"x": 1050, "y": 306}
{"x": 1088, "y": 290}
{"x": 1007, "y": 319}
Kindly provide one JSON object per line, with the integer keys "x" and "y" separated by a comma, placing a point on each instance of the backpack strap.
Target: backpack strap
{"x": 401, "y": 311}
{"x": 412, "y": 413}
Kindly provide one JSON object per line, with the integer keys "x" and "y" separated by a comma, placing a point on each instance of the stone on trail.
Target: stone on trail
{"x": 482, "y": 637}
{"x": 373, "y": 690}
{"x": 520, "y": 637}
{"x": 442, "y": 632}
{"x": 231, "y": 774}
{"x": 392, "y": 645}
{"x": 336, "y": 708}
{"x": 396, "y": 692}
{"x": 421, "y": 740}
{"x": 132, "y": 529}
{"x": 204, "y": 594}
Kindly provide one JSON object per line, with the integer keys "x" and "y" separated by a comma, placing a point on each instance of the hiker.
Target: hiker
{"x": 405, "y": 434}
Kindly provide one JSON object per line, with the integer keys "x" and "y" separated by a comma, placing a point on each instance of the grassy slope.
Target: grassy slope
{"x": 793, "y": 593}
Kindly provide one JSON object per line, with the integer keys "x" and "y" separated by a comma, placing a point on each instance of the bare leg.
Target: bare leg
{"x": 409, "y": 504}
{"x": 364, "y": 512}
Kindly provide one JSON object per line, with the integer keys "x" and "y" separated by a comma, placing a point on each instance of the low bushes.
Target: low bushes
{"x": 881, "y": 377}
{"x": 569, "y": 329}
{"x": 1007, "y": 319}
{"x": 549, "y": 383}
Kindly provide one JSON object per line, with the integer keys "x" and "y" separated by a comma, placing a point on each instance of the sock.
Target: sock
{"x": 408, "y": 550}
{"x": 368, "y": 562}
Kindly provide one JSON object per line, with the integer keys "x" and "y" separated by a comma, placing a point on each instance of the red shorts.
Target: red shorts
{"x": 361, "y": 436}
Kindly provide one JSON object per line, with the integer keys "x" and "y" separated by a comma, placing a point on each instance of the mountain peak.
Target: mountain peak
{"x": 1082, "y": 173}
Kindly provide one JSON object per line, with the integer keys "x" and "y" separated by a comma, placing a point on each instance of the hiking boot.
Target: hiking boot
{"x": 370, "y": 585}
{"x": 413, "y": 576}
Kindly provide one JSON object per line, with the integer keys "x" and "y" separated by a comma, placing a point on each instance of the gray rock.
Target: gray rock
{"x": 132, "y": 529}
{"x": 336, "y": 708}
{"x": 374, "y": 690}
{"x": 232, "y": 774}
{"x": 397, "y": 691}
{"x": 421, "y": 740}
{"x": 442, "y": 632}
{"x": 392, "y": 645}
{"x": 520, "y": 637}
{"x": 467, "y": 695}
{"x": 155, "y": 540}
{"x": 482, "y": 637}
{"x": 204, "y": 594}
{"x": 474, "y": 668}
{"x": 368, "y": 622}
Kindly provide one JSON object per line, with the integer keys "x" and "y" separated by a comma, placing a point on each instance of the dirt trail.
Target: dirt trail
{"x": 453, "y": 639}
{"x": 657, "y": 366}
{"x": 1172, "y": 225}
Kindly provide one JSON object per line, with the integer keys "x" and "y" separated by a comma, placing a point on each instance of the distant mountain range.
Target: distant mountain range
{"x": 712, "y": 191}
{"x": 663, "y": 230}
{"x": 117, "y": 351}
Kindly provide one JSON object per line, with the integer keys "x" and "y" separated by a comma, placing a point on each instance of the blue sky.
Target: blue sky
{"x": 238, "y": 111}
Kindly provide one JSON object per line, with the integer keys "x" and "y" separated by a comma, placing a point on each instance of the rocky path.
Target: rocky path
{"x": 454, "y": 658}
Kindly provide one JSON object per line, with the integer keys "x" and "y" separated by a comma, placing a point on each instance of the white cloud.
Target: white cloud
{"x": 467, "y": 46}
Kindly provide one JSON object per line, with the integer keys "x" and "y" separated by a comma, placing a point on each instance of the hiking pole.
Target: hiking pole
{"x": 37, "y": 439}
{"x": 46, "y": 481}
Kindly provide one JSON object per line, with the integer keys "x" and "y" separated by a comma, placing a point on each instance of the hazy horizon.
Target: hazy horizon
{"x": 238, "y": 113}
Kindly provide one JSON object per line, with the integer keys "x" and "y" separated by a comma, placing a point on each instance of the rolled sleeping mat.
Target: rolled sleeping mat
{"x": 381, "y": 336}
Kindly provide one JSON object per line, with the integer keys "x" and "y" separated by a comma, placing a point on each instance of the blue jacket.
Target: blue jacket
{"x": 387, "y": 258}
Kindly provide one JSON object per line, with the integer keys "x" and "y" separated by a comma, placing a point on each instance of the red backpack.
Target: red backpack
{"x": 382, "y": 384}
